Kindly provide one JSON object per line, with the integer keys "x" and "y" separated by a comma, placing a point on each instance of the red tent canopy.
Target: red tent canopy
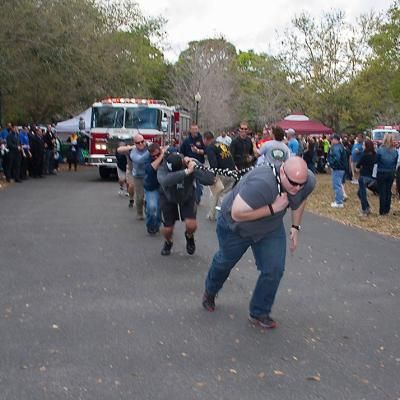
{"x": 303, "y": 125}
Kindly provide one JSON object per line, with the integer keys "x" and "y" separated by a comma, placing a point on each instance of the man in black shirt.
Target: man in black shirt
{"x": 242, "y": 148}
{"x": 219, "y": 156}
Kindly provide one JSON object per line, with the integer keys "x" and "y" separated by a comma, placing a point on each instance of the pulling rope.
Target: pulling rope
{"x": 238, "y": 174}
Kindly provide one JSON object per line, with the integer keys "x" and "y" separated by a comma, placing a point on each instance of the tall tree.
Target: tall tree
{"x": 63, "y": 54}
{"x": 262, "y": 88}
{"x": 321, "y": 56}
{"x": 206, "y": 67}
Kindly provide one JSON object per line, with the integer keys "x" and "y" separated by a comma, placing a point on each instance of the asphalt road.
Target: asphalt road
{"x": 90, "y": 310}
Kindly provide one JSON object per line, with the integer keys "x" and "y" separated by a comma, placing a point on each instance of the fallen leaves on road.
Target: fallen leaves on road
{"x": 315, "y": 378}
{"x": 279, "y": 373}
{"x": 233, "y": 371}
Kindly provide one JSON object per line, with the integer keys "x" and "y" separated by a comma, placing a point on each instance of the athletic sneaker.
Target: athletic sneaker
{"x": 190, "y": 245}
{"x": 121, "y": 191}
{"x": 208, "y": 301}
{"x": 265, "y": 321}
{"x": 337, "y": 205}
{"x": 131, "y": 203}
{"x": 166, "y": 250}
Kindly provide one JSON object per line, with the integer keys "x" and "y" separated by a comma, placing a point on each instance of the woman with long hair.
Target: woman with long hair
{"x": 386, "y": 158}
{"x": 365, "y": 166}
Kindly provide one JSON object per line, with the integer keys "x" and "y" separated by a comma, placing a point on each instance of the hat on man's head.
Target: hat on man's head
{"x": 290, "y": 131}
{"x": 174, "y": 162}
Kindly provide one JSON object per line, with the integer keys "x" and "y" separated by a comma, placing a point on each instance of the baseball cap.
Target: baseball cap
{"x": 174, "y": 162}
{"x": 290, "y": 131}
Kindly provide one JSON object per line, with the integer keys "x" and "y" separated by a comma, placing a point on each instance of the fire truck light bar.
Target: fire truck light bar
{"x": 112, "y": 100}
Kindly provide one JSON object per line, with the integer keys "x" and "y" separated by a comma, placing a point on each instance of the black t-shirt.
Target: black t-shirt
{"x": 366, "y": 164}
{"x": 242, "y": 151}
{"x": 219, "y": 156}
{"x": 121, "y": 161}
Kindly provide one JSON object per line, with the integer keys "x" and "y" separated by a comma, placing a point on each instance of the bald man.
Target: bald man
{"x": 252, "y": 216}
{"x": 139, "y": 156}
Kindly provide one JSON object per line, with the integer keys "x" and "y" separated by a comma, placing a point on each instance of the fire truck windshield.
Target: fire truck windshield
{"x": 108, "y": 117}
{"x": 143, "y": 118}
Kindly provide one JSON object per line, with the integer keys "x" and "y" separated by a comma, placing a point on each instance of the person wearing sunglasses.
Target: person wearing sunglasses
{"x": 252, "y": 216}
{"x": 242, "y": 148}
{"x": 139, "y": 156}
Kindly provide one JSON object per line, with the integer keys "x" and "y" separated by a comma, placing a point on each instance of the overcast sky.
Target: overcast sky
{"x": 248, "y": 24}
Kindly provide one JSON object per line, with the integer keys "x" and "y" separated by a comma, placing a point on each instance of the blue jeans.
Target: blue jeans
{"x": 153, "y": 211}
{"x": 198, "y": 191}
{"x": 363, "y": 182}
{"x": 269, "y": 254}
{"x": 337, "y": 179}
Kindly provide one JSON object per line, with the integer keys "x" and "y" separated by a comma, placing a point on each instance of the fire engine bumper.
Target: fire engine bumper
{"x": 102, "y": 161}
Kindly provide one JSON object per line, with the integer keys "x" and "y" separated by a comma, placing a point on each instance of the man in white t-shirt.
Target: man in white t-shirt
{"x": 224, "y": 139}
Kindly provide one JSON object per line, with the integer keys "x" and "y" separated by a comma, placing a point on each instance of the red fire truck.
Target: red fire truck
{"x": 116, "y": 120}
{"x": 379, "y": 132}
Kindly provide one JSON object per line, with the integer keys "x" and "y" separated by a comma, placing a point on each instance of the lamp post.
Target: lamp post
{"x": 197, "y": 98}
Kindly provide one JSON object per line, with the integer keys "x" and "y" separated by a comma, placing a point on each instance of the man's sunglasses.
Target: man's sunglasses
{"x": 141, "y": 142}
{"x": 293, "y": 183}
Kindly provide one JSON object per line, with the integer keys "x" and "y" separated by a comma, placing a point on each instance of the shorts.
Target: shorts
{"x": 171, "y": 212}
{"x": 129, "y": 178}
{"x": 121, "y": 175}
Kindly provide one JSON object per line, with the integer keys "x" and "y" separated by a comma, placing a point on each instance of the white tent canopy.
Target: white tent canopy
{"x": 72, "y": 125}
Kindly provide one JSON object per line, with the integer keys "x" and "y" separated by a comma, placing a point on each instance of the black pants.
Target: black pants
{"x": 385, "y": 182}
{"x": 24, "y": 167}
{"x": 37, "y": 164}
{"x": 14, "y": 165}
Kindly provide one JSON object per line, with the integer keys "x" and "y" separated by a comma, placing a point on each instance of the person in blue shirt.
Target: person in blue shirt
{"x": 293, "y": 144}
{"x": 386, "y": 158}
{"x": 4, "y": 132}
{"x": 26, "y": 154}
{"x": 337, "y": 159}
{"x": 356, "y": 154}
{"x": 4, "y": 157}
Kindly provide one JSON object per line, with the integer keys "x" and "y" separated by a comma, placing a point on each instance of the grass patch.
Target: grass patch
{"x": 320, "y": 203}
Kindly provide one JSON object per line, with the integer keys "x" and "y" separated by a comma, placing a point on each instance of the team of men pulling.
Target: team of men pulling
{"x": 169, "y": 185}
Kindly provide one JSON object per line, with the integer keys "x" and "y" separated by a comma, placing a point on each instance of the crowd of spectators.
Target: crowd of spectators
{"x": 355, "y": 159}
{"x": 34, "y": 151}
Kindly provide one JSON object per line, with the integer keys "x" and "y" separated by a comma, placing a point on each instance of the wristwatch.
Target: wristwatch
{"x": 298, "y": 227}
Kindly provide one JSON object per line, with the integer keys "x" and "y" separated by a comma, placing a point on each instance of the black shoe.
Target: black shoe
{"x": 18, "y": 181}
{"x": 152, "y": 231}
{"x": 131, "y": 203}
{"x": 265, "y": 321}
{"x": 190, "y": 245}
{"x": 166, "y": 250}
{"x": 208, "y": 301}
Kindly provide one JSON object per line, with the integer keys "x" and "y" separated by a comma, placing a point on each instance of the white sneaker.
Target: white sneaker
{"x": 354, "y": 182}
{"x": 336, "y": 205}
